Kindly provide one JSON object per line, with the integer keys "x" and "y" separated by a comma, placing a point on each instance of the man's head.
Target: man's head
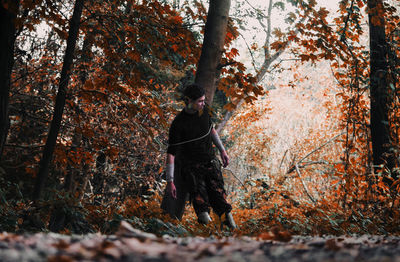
{"x": 194, "y": 91}
{"x": 194, "y": 97}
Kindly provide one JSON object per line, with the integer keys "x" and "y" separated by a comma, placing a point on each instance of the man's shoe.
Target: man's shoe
{"x": 229, "y": 221}
{"x": 204, "y": 218}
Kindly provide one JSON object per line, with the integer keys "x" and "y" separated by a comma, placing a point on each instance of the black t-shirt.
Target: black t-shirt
{"x": 186, "y": 127}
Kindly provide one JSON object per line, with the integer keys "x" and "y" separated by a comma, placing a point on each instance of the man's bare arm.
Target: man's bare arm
{"x": 170, "y": 167}
{"x": 218, "y": 143}
{"x": 170, "y": 175}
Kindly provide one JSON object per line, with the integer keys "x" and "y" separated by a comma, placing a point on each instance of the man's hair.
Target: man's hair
{"x": 194, "y": 91}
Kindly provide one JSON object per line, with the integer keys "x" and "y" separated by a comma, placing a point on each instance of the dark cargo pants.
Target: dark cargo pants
{"x": 205, "y": 184}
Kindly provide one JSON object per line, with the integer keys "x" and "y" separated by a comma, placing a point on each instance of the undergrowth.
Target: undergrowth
{"x": 256, "y": 210}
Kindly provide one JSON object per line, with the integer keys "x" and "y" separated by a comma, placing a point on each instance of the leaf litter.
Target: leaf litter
{"x": 130, "y": 244}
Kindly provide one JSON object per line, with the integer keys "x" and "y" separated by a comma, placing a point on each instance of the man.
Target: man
{"x": 190, "y": 136}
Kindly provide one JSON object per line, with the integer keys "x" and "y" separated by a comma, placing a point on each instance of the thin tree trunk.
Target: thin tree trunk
{"x": 60, "y": 101}
{"x": 380, "y": 130}
{"x": 213, "y": 46}
{"x": 7, "y": 40}
{"x": 85, "y": 58}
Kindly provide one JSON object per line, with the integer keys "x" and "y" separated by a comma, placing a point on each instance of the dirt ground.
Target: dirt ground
{"x": 130, "y": 244}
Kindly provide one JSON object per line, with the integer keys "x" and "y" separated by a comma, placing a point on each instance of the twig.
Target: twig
{"x": 304, "y": 186}
{"x": 220, "y": 66}
{"x": 24, "y": 146}
{"x": 283, "y": 158}
{"x": 253, "y": 60}
{"x": 321, "y": 162}
{"x": 343, "y": 33}
{"x": 312, "y": 152}
{"x": 236, "y": 178}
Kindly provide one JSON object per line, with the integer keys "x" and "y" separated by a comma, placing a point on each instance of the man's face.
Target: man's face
{"x": 199, "y": 103}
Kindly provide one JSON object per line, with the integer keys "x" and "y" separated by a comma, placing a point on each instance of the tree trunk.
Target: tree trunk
{"x": 60, "y": 101}
{"x": 7, "y": 39}
{"x": 86, "y": 55}
{"x": 380, "y": 133}
{"x": 213, "y": 46}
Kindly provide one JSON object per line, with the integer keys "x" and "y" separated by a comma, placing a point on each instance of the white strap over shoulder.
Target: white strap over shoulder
{"x": 192, "y": 140}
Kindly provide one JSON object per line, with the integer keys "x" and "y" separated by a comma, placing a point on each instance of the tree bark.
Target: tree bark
{"x": 379, "y": 91}
{"x": 7, "y": 40}
{"x": 213, "y": 46}
{"x": 60, "y": 101}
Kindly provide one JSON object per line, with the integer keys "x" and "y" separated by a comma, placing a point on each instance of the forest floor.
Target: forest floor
{"x": 130, "y": 244}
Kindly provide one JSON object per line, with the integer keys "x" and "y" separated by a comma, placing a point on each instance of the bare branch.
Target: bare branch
{"x": 304, "y": 186}
{"x": 253, "y": 60}
{"x": 24, "y": 146}
{"x": 268, "y": 32}
{"x": 230, "y": 171}
{"x": 312, "y": 152}
{"x": 220, "y": 66}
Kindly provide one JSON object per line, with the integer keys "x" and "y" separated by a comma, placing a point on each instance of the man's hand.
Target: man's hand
{"x": 225, "y": 158}
{"x": 171, "y": 189}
